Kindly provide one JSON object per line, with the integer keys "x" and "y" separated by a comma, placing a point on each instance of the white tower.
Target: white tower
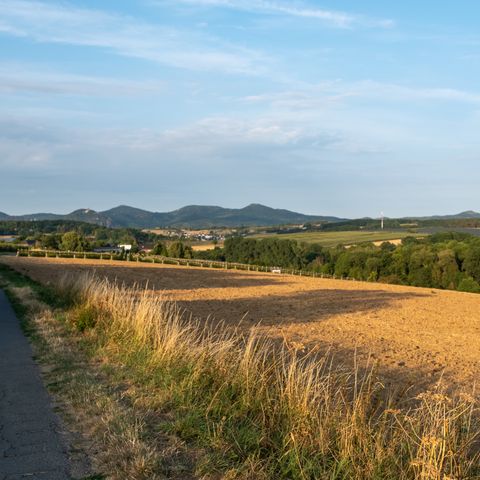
{"x": 382, "y": 218}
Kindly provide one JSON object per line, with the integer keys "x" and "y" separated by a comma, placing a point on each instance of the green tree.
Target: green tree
{"x": 445, "y": 270}
{"x": 50, "y": 242}
{"x": 176, "y": 250}
{"x": 420, "y": 267}
{"x": 73, "y": 242}
{"x": 160, "y": 249}
{"x": 471, "y": 264}
{"x": 372, "y": 268}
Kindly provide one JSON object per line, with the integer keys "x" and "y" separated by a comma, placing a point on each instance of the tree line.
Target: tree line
{"x": 74, "y": 236}
{"x": 443, "y": 260}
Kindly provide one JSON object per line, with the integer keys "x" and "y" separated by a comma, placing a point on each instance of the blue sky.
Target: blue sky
{"x": 341, "y": 107}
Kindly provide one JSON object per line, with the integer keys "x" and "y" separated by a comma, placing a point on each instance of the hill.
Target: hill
{"x": 192, "y": 216}
{"x": 82, "y": 215}
{"x": 459, "y": 216}
{"x": 196, "y": 216}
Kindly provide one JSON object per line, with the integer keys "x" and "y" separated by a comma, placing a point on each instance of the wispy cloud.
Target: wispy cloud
{"x": 126, "y": 36}
{"x": 391, "y": 91}
{"x": 20, "y": 78}
{"x": 331, "y": 17}
{"x": 335, "y": 92}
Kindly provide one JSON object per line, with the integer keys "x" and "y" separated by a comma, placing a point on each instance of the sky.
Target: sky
{"x": 333, "y": 107}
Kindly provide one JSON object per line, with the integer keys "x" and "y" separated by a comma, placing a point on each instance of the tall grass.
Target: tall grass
{"x": 260, "y": 411}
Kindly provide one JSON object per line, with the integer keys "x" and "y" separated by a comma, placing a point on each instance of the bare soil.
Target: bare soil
{"x": 394, "y": 241}
{"x": 415, "y": 335}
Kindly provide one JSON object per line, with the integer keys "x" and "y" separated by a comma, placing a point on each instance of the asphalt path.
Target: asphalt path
{"x": 31, "y": 443}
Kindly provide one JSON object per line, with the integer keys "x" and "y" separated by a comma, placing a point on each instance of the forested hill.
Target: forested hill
{"x": 193, "y": 216}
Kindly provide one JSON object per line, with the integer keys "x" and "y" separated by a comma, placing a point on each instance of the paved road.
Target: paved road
{"x": 31, "y": 446}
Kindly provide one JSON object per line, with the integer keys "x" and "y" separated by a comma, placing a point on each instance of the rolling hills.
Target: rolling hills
{"x": 205, "y": 216}
{"x": 192, "y": 216}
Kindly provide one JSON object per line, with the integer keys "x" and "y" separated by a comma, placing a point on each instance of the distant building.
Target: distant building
{"x": 125, "y": 247}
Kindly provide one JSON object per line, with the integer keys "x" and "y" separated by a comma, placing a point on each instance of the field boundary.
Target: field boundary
{"x": 186, "y": 262}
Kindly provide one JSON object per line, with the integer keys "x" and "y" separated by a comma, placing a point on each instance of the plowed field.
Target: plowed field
{"x": 416, "y": 335}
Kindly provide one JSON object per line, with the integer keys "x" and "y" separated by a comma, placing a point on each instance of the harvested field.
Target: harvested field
{"x": 415, "y": 334}
{"x": 202, "y": 247}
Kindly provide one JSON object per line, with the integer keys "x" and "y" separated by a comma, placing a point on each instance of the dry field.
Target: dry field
{"x": 202, "y": 247}
{"x": 416, "y": 335}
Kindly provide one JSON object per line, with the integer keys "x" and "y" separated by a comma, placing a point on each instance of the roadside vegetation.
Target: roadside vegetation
{"x": 182, "y": 399}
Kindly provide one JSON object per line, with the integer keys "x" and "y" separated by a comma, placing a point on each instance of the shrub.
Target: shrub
{"x": 469, "y": 285}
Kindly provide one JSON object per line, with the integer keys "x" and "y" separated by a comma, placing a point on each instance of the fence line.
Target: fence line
{"x": 188, "y": 262}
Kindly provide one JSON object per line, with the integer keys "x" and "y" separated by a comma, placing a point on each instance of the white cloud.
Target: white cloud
{"x": 331, "y": 17}
{"x": 223, "y": 135}
{"x": 18, "y": 78}
{"x": 123, "y": 35}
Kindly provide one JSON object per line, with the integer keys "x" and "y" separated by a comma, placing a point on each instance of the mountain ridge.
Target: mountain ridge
{"x": 190, "y": 216}
{"x": 200, "y": 216}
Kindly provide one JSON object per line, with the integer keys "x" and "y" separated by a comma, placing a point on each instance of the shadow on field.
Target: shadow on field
{"x": 301, "y": 307}
{"x": 290, "y": 319}
{"x": 151, "y": 276}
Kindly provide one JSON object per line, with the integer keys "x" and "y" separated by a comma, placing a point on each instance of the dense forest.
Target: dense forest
{"x": 443, "y": 260}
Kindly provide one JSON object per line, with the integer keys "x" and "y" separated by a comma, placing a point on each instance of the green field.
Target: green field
{"x": 331, "y": 239}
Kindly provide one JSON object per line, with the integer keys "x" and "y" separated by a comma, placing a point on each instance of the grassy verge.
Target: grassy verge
{"x": 93, "y": 398}
{"x": 245, "y": 407}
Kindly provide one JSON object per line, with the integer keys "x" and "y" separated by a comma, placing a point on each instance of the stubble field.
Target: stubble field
{"x": 415, "y": 335}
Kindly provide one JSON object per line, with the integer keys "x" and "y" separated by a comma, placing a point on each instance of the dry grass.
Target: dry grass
{"x": 260, "y": 411}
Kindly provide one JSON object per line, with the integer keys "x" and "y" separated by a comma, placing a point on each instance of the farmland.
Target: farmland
{"x": 416, "y": 335}
{"x": 227, "y": 373}
{"x": 333, "y": 238}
